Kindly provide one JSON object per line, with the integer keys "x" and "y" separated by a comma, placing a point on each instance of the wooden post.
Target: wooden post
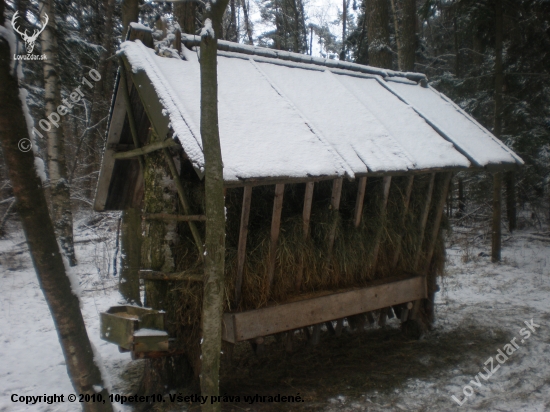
{"x": 406, "y": 201}
{"x": 497, "y": 212}
{"x": 432, "y": 240}
{"x": 177, "y": 41}
{"x": 382, "y": 317}
{"x": 424, "y": 220}
{"x": 306, "y": 216}
{"x": 386, "y": 191}
{"x": 275, "y": 229}
{"x": 241, "y": 250}
{"x": 335, "y": 205}
{"x": 360, "y": 200}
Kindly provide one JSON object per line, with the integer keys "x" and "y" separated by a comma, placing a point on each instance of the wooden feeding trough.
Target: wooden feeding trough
{"x": 134, "y": 329}
{"x": 335, "y": 175}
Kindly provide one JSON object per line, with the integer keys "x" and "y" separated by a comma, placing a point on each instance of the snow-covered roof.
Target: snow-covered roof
{"x": 283, "y": 118}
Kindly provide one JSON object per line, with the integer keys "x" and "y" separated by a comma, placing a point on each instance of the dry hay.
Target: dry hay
{"x": 349, "y": 264}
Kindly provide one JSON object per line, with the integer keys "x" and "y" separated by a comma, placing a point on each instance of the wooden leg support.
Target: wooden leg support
{"x": 315, "y": 335}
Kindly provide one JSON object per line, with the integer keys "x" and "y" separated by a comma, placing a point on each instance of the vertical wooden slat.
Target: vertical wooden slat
{"x": 406, "y": 201}
{"x": 308, "y": 199}
{"x": 335, "y": 204}
{"x": 243, "y": 233}
{"x": 430, "y": 247}
{"x": 360, "y": 200}
{"x": 306, "y": 216}
{"x": 386, "y": 191}
{"x": 432, "y": 240}
{"x": 424, "y": 220}
{"x": 275, "y": 229}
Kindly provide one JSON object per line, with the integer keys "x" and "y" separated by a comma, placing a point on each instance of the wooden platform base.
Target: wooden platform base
{"x": 317, "y": 309}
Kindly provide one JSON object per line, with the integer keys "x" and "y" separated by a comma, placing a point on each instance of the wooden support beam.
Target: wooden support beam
{"x": 298, "y": 314}
{"x": 339, "y": 327}
{"x": 130, "y": 154}
{"x": 129, "y": 112}
{"x": 406, "y": 202}
{"x": 308, "y": 200}
{"x": 424, "y": 220}
{"x": 432, "y": 240}
{"x": 315, "y": 335}
{"x": 306, "y": 217}
{"x": 360, "y": 200}
{"x": 386, "y": 183}
{"x": 335, "y": 205}
{"x": 241, "y": 250}
{"x": 184, "y": 202}
{"x": 178, "y": 218}
{"x": 383, "y": 317}
{"x": 155, "y": 275}
{"x": 275, "y": 230}
{"x": 496, "y": 229}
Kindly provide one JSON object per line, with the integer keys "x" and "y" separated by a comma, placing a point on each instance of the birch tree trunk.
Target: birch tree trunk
{"x": 212, "y": 306}
{"x": 39, "y": 231}
{"x": 59, "y": 184}
{"x": 378, "y": 33}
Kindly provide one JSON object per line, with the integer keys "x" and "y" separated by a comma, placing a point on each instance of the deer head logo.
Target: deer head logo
{"x": 29, "y": 40}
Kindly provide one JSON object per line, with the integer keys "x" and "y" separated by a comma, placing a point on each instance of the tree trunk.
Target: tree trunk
{"x": 378, "y": 33}
{"x": 39, "y": 231}
{"x": 100, "y": 107}
{"x": 247, "y": 22}
{"x": 59, "y": 184}
{"x": 497, "y": 180}
{"x": 131, "y": 256}
{"x": 344, "y": 22}
{"x": 510, "y": 179}
{"x": 186, "y": 13}
{"x": 461, "y": 199}
{"x": 212, "y": 304}
{"x": 497, "y": 208}
{"x": 130, "y": 13}
{"x": 407, "y": 36}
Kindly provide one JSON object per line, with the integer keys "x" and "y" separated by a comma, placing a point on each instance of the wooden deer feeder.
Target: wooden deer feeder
{"x": 336, "y": 177}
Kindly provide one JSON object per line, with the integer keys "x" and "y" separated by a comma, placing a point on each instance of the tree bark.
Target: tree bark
{"x": 407, "y": 36}
{"x": 186, "y": 14}
{"x": 497, "y": 130}
{"x": 59, "y": 184}
{"x": 130, "y": 13}
{"x": 247, "y": 22}
{"x": 131, "y": 256}
{"x": 497, "y": 212}
{"x": 378, "y": 33}
{"x": 344, "y": 22}
{"x": 100, "y": 106}
{"x": 39, "y": 231}
{"x": 212, "y": 305}
{"x": 511, "y": 211}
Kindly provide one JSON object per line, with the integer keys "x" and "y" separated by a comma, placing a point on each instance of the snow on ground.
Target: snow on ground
{"x": 476, "y": 296}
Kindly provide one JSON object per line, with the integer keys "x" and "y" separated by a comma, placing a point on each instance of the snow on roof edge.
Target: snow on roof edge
{"x": 223, "y": 45}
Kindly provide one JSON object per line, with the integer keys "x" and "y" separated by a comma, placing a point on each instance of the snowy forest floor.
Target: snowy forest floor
{"x": 480, "y": 308}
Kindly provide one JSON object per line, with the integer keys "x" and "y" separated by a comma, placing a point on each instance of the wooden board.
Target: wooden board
{"x": 298, "y": 314}
{"x": 360, "y": 200}
{"x": 275, "y": 229}
{"x": 243, "y": 233}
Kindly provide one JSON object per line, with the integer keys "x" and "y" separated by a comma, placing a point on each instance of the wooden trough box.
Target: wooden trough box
{"x": 322, "y": 307}
{"x": 134, "y": 329}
